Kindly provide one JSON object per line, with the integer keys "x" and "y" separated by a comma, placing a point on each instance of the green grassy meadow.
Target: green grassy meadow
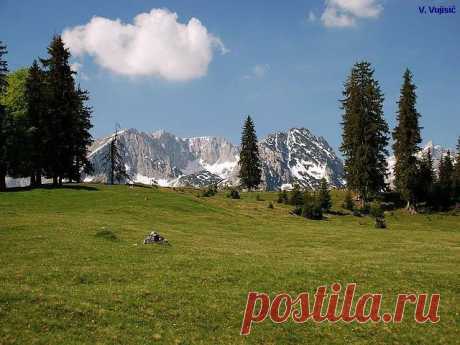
{"x": 62, "y": 284}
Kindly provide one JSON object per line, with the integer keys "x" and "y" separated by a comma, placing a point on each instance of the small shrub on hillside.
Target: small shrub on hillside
{"x": 270, "y": 205}
{"x": 324, "y": 196}
{"x": 380, "y": 223}
{"x": 296, "y": 197}
{"x": 297, "y": 211}
{"x": 376, "y": 210}
{"x": 283, "y": 197}
{"x": 210, "y": 191}
{"x": 233, "y": 194}
{"x": 348, "y": 203}
{"x": 259, "y": 198}
{"x": 312, "y": 208}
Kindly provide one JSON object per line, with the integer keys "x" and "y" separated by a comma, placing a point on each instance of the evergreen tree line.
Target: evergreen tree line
{"x": 365, "y": 139}
{"x": 44, "y": 120}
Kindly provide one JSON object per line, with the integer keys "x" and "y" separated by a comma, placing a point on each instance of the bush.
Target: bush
{"x": 311, "y": 208}
{"x": 283, "y": 197}
{"x": 211, "y": 191}
{"x": 297, "y": 211}
{"x": 270, "y": 205}
{"x": 376, "y": 210}
{"x": 348, "y": 203}
{"x": 296, "y": 197}
{"x": 324, "y": 196}
{"x": 380, "y": 223}
{"x": 233, "y": 194}
{"x": 259, "y": 198}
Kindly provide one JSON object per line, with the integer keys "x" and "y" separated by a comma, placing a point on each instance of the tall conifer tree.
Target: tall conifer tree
{"x": 425, "y": 178}
{"x": 457, "y": 172}
{"x": 250, "y": 171}
{"x": 445, "y": 181}
{"x": 3, "y": 84}
{"x": 113, "y": 161}
{"x": 406, "y": 138}
{"x": 82, "y": 135}
{"x": 61, "y": 112}
{"x": 365, "y": 133}
{"x": 36, "y": 112}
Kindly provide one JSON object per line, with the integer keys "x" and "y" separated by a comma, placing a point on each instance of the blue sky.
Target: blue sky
{"x": 285, "y": 64}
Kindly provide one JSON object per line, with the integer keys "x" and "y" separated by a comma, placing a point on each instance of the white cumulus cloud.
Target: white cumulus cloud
{"x": 344, "y": 13}
{"x": 156, "y": 44}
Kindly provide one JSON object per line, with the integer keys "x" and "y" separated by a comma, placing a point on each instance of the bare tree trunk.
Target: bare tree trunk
{"x": 55, "y": 181}
{"x": 2, "y": 181}
{"x": 410, "y": 207}
{"x": 33, "y": 181}
{"x": 38, "y": 179}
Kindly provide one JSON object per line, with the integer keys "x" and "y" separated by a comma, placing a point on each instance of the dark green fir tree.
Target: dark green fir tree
{"x": 36, "y": 113}
{"x": 113, "y": 161}
{"x": 425, "y": 178}
{"x": 457, "y": 173}
{"x": 324, "y": 195}
{"x": 82, "y": 137}
{"x": 250, "y": 168}
{"x": 445, "y": 181}
{"x": 365, "y": 133}
{"x": 3, "y": 85}
{"x": 406, "y": 138}
{"x": 62, "y": 104}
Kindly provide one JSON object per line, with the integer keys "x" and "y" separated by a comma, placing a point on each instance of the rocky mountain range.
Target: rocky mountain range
{"x": 294, "y": 156}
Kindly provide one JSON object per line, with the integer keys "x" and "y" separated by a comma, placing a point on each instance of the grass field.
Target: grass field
{"x": 62, "y": 284}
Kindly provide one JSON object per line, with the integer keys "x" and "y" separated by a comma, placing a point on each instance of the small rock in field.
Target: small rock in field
{"x": 155, "y": 237}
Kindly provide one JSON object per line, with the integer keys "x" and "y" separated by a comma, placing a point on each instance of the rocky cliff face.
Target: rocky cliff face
{"x": 295, "y": 156}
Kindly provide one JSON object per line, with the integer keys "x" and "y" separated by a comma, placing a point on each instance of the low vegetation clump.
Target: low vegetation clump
{"x": 270, "y": 205}
{"x": 259, "y": 198}
{"x": 233, "y": 194}
{"x": 376, "y": 211}
{"x": 210, "y": 191}
{"x": 283, "y": 197}
{"x": 348, "y": 203}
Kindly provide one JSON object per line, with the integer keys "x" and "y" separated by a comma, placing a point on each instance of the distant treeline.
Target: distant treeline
{"x": 44, "y": 120}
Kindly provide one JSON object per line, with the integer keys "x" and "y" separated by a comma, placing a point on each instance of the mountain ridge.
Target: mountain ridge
{"x": 292, "y": 156}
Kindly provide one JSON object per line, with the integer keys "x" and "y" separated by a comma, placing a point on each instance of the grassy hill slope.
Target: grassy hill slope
{"x": 62, "y": 284}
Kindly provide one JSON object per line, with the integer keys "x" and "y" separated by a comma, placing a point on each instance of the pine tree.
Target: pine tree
{"x": 425, "y": 178}
{"x": 250, "y": 171}
{"x": 365, "y": 133}
{"x": 82, "y": 136}
{"x": 445, "y": 181}
{"x": 113, "y": 161}
{"x": 3, "y": 84}
{"x": 36, "y": 112}
{"x": 324, "y": 196}
{"x": 457, "y": 173}
{"x": 62, "y": 104}
{"x": 296, "y": 197}
{"x": 406, "y": 138}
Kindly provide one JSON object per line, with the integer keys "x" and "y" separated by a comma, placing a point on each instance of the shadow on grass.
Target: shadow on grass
{"x": 50, "y": 186}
